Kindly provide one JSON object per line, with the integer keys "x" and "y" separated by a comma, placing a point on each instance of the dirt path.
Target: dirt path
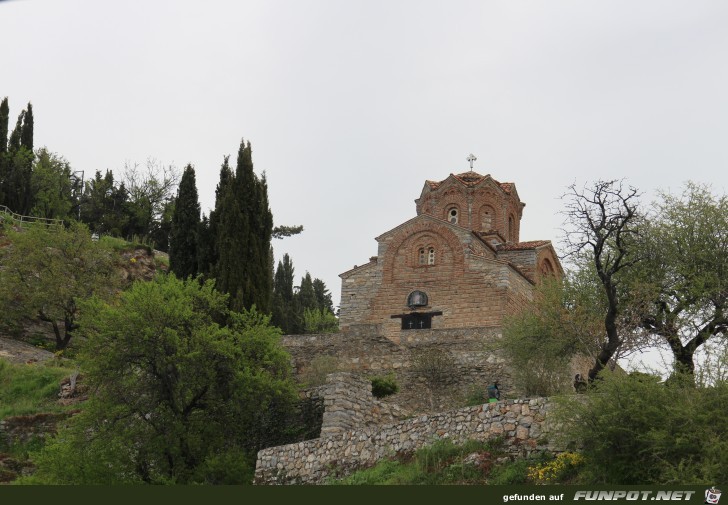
{"x": 20, "y": 352}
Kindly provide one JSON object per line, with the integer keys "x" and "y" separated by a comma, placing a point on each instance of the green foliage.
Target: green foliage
{"x": 636, "y": 430}
{"x": 243, "y": 226}
{"x": 384, "y": 386}
{"x": 183, "y": 243}
{"x": 679, "y": 287}
{"x": 320, "y": 366}
{"x": 476, "y": 396}
{"x": 438, "y": 464}
{"x": 29, "y": 388}
{"x": 47, "y": 272}
{"x": 436, "y": 367}
{"x": 286, "y": 231}
{"x": 51, "y": 186}
{"x": 183, "y": 388}
{"x": 566, "y": 318}
{"x": 560, "y": 470}
{"x": 514, "y": 472}
{"x": 320, "y": 321}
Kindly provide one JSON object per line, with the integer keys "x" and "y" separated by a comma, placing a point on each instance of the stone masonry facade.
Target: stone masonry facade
{"x": 360, "y": 433}
{"x": 462, "y": 251}
{"x": 473, "y": 361}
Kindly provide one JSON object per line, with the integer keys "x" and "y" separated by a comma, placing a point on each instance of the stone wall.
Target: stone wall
{"x": 22, "y": 429}
{"x": 362, "y": 350}
{"x": 349, "y": 404}
{"x": 521, "y": 423}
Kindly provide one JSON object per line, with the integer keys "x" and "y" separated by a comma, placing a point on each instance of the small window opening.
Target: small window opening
{"x": 453, "y": 216}
{"x": 431, "y": 256}
{"x": 422, "y": 257}
{"x": 417, "y": 299}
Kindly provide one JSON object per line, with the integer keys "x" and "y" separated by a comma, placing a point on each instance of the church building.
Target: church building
{"x": 459, "y": 263}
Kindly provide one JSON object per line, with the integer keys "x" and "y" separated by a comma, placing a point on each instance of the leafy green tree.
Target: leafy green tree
{"x": 185, "y": 391}
{"x": 51, "y": 185}
{"x": 320, "y": 321}
{"x": 541, "y": 341}
{"x": 681, "y": 285}
{"x": 149, "y": 194}
{"x": 185, "y": 226}
{"x": 635, "y": 430}
{"x": 103, "y": 206}
{"x": 47, "y": 271}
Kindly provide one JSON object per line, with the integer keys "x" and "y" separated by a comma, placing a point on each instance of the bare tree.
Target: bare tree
{"x": 602, "y": 220}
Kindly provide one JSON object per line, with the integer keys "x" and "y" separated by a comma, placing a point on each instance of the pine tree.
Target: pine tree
{"x": 183, "y": 243}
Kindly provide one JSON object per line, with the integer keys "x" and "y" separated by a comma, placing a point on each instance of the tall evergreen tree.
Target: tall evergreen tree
{"x": 26, "y": 133}
{"x": 17, "y": 191}
{"x": 286, "y": 311}
{"x": 243, "y": 226}
{"x": 4, "y": 118}
{"x": 183, "y": 243}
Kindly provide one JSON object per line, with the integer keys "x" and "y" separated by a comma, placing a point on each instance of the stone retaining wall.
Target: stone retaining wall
{"x": 521, "y": 423}
{"x": 349, "y": 404}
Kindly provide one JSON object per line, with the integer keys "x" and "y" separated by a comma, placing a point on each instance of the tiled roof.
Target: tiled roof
{"x": 521, "y": 246}
{"x": 471, "y": 179}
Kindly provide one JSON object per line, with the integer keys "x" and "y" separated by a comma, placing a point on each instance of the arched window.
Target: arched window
{"x": 422, "y": 257}
{"x": 417, "y": 299}
{"x": 487, "y": 218}
{"x": 452, "y": 215}
{"x": 431, "y": 256}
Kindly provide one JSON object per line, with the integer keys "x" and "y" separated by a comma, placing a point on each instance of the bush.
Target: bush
{"x": 321, "y": 366}
{"x": 636, "y": 430}
{"x": 384, "y": 386}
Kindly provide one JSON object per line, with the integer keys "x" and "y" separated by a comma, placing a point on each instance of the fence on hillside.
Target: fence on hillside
{"x": 7, "y": 215}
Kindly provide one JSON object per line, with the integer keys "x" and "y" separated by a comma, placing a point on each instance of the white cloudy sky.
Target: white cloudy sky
{"x": 350, "y": 104}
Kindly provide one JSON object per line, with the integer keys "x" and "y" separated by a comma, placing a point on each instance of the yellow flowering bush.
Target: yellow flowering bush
{"x": 556, "y": 470}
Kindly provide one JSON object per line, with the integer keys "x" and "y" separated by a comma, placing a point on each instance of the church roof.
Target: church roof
{"x": 471, "y": 179}
{"x": 522, "y": 246}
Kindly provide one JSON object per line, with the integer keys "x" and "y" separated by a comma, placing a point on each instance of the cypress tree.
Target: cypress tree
{"x": 285, "y": 309}
{"x": 18, "y": 166}
{"x": 26, "y": 133}
{"x": 4, "y": 118}
{"x": 243, "y": 225}
{"x": 183, "y": 241}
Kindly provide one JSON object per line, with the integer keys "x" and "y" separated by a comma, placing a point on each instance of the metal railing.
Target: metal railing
{"x": 20, "y": 220}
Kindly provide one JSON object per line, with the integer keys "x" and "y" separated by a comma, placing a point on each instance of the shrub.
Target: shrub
{"x": 384, "y": 386}
{"x": 562, "y": 468}
{"x": 636, "y": 430}
{"x": 321, "y": 366}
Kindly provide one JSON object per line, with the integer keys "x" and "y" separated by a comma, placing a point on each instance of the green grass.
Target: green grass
{"x": 30, "y": 388}
{"x": 120, "y": 245}
{"x": 440, "y": 463}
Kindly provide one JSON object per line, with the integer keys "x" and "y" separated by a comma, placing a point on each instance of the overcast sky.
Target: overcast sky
{"x": 351, "y": 105}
